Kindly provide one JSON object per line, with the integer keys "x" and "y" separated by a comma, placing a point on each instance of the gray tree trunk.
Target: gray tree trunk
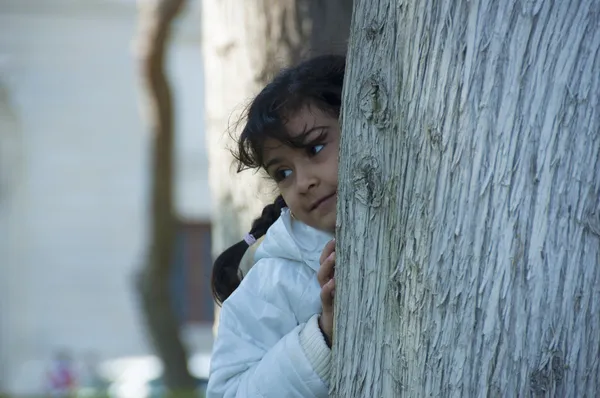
{"x": 244, "y": 45}
{"x": 469, "y": 252}
{"x": 156, "y": 18}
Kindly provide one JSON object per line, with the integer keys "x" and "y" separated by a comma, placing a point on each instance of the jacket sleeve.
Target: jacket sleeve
{"x": 262, "y": 351}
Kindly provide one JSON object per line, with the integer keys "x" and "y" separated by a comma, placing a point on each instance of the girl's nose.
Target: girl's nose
{"x": 306, "y": 179}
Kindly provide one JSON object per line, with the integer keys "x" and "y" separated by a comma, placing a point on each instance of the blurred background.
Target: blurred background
{"x": 111, "y": 112}
{"x": 73, "y": 182}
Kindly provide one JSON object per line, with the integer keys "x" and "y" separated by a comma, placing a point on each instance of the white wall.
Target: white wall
{"x": 72, "y": 223}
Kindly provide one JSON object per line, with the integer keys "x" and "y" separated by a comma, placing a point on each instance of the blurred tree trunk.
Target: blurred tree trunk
{"x": 11, "y": 196}
{"x": 155, "y": 21}
{"x": 470, "y": 170}
{"x": 244, "y": 45}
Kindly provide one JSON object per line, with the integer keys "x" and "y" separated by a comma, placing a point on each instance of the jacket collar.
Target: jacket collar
{"x": 292, "y": 239}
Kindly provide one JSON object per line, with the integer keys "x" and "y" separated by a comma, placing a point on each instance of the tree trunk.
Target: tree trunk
{"x": 245, "y": 44}
{"x": 153, "y": 284}
{"x": 11, "y": 197}
{"x": 469, "y": 252}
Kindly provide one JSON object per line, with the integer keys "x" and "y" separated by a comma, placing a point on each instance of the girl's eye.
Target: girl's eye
{"x": 316, "y": 149}
{"x": 282, "y": 174}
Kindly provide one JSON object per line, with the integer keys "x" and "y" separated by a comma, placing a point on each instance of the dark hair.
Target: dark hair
{"x": 315, "y": 82}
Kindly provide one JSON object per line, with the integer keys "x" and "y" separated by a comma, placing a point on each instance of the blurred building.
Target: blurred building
{"x": 73, "y": 179}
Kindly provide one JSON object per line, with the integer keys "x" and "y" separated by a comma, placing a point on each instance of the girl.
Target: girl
{"x": 275, "y": 330}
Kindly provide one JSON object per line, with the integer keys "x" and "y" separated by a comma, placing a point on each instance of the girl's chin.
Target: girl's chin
{"x": 325, "y": 223}
{"x": 328, "y": 223}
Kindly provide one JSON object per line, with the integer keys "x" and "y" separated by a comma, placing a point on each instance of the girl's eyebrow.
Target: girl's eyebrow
{"x": 306, "y": 132}
{"x": 301, "y": 139}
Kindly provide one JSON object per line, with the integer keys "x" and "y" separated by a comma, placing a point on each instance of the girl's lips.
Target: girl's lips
{"x": 324, "y": 201}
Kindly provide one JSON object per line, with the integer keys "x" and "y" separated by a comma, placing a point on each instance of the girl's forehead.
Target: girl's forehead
{"x": 298, "y": 128}
{"x": 305, "y": 119}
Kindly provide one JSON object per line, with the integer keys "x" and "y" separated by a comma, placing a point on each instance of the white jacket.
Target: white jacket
{"x": 269, "y": 343}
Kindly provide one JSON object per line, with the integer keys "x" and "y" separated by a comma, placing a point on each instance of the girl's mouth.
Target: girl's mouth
{"x": 324, "y": 201}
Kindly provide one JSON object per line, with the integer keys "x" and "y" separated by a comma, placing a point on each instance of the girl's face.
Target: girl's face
{"x": 307, "y": 178}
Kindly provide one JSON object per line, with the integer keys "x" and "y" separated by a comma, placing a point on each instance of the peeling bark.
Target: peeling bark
{"x": 470, "y": 170}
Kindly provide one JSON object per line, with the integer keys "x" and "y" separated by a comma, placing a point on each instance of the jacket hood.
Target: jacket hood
{"x": 293, "y": 240}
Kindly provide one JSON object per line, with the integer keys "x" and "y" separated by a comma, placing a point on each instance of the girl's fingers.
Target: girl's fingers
{"x": 327, "y": 269}
{"x": 327, "y": 294}
{"x": 327, "y": 250}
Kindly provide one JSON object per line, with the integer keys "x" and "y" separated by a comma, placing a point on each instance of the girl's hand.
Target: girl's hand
{"x": 325, "y": 276}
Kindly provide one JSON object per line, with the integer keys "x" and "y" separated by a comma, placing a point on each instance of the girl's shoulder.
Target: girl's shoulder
{"x": 288, "y": 285}
{"x": 274, "y": 274}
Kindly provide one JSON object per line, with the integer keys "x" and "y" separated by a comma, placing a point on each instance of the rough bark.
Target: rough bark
{"x": 470, "y": 171}
{"x": 244, "y": 45}
{"x": 155, "y": 22}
